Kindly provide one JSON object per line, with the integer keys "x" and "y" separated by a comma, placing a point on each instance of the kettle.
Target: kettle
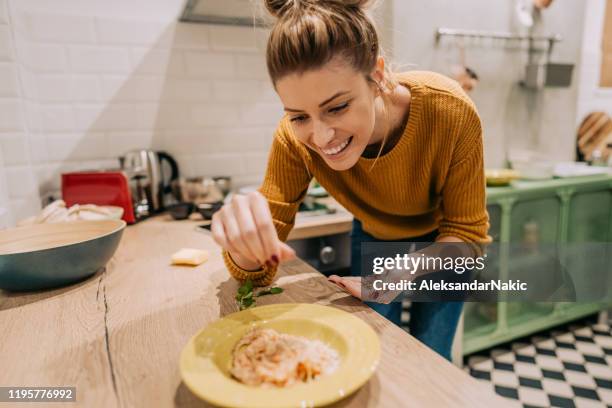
{"x": 151, "y": 174}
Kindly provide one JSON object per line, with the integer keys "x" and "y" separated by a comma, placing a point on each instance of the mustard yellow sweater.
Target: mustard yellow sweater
{"x": 433, "y": 178}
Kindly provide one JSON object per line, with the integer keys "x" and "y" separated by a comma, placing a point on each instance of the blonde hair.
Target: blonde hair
{"x": 310, "y": 33}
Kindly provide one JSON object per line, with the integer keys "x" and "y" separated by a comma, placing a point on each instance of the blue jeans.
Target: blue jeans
{"x": 433, "y": 323}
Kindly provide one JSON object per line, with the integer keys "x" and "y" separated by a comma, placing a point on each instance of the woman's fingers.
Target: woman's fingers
{"x": 286, "y": 252}
{"x": 245, "y": 226}
{"x": 350, "y": 284}
{"x": 234, "y": 234}
{"x": 248, "y": 229}
{"x": 265, "y": 227}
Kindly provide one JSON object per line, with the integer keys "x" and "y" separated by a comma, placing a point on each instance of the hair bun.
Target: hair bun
{"x": 279, "y": 7}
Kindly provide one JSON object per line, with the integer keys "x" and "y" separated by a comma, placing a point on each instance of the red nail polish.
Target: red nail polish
{"x": 275, "y": 259}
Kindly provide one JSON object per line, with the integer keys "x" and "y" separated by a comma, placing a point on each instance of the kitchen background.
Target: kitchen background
{"x": 81, "y": 83}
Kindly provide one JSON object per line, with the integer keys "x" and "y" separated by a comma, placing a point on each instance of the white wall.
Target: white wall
{"x": 82, "y": 82}
{"x": 512, "y": 116}
{"x": 99, "y": 78}
{"x": 18, "y": 189}
{"x": 591, "y": 97}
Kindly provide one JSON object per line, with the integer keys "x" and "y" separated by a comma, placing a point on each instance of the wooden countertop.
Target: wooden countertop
{"x": 117, "y": 336}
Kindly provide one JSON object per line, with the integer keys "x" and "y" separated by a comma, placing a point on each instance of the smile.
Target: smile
{"x": 338, "y": 149}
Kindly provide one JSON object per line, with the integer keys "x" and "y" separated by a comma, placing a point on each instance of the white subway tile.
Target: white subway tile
{"x": 14, "y": 149}
{"x": 255, "y": 163}
{"x": 132, "y": 31}
{"x": 50, "y": 175}
{"x": 38, "y": 149}
{"x": 87, "y": 116}
{"x": 174, "y": 116}
{"x": 120, "y": 143}
{"x": 251, "y": 66}
{"x": 219, "y": 164}
{"x": 75, "y": 147}
{"x": 43, "y": 57}
{"x": 268, "y": 93}
{"x": 155, "y": 61}
{"x": 6, "y": 44}
{"x": 261, "y": 114}
{"x": 20, "y": 181}
{"x": 3, "y": 12}
{"x": 23, "y": 208}
{"x": 237, "y": 90}
{"x": 49, "y": 27}
{"x": 184, "y": 142}
{"x": 207, "y": 65}
{"x": 247, "y": 180}
{"x": 229, "y": 38}
{"x": 186, "y": 166}
{"x": 48, "y": 178}
{"x": 67, "y": 88}
{"x": 146, "y": 115}
{"x": 29, "y": 85}
{"x": 33, "y": 117}
{"x": 112, "y": 116}
{"x": 188, "y": 35}
{"x": 84, "y": 59}
{"x": 214, "y": 115}
{"x": 56, "y": 118}
{"x": 132, "y": 88}
{"x": 11, "y": 118}
{"x": 186, "y": 90}
{"x": 8, "y": 80}
{"x": 237, "y": 140}
{"x": 6, "y": 219}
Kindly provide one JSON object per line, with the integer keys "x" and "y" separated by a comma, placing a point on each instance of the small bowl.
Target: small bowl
{"x": 500, "y": 177}
{"x": 45, "y": 256}
{"x": 208, "y": 209}
{"x": 180, "y": 211}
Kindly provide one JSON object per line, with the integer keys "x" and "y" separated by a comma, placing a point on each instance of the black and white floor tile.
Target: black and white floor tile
{"x": 569, "y": 366}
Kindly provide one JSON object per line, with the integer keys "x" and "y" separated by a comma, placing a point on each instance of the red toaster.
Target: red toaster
{"x": 106, "y": 187}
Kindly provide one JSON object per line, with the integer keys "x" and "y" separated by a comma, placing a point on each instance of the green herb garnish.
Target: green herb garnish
{"x": 246, "y": 297}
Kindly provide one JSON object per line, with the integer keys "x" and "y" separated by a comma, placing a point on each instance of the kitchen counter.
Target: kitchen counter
{"x": 117, "y": 336}
{"x": 309, "y": 226}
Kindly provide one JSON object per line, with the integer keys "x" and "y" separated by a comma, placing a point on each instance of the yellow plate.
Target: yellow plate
{"x": 205, "y": 361}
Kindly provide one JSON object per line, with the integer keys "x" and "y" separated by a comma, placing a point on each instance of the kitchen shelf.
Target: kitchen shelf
{"x": 571, "y": 210}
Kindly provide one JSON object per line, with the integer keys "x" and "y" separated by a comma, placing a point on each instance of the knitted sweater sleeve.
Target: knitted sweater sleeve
{"x": 464, "y": 191}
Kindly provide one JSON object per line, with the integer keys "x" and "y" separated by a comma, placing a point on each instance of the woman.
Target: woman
{"x": 402, "y": 152}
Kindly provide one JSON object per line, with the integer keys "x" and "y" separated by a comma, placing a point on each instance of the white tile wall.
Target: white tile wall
{"x": 99, "y": 59}
{"x": 58, "y": 27}
{"x": 122, "y": 32}
{"x": 6, "y": 49}
{"x": 3, "y": 12}
{"x": 202, "y": 64}
{"x": 8, "y": 80}
{"x": 11, "y": 118}
{"x": 83, "y": 82}
{"x": 14, "y": 149}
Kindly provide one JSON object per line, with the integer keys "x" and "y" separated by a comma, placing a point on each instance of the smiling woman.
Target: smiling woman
{"x": 401, "y": 151}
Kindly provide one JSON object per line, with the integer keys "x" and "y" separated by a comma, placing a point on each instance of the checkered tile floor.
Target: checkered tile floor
{"x": 565, "y": 367}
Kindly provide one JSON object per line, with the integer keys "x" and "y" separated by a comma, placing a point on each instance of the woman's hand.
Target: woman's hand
{"x": 355, "y": 286}
{"x": 244, "y": 228}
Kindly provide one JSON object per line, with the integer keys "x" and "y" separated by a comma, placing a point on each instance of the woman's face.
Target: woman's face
{"x": 332, "y": 111}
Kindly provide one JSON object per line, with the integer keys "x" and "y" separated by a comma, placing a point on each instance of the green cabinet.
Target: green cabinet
{"x": 576, "y": 210}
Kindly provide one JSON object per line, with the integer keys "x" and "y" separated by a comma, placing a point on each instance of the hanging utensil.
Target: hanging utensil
{"x": 466, "y": 77}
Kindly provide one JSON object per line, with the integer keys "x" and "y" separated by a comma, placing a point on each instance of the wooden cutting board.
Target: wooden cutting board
{"x": 595, "y": 133}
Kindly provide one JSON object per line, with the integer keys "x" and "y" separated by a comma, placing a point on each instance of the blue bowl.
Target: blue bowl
{"x": 47, "y": 256}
